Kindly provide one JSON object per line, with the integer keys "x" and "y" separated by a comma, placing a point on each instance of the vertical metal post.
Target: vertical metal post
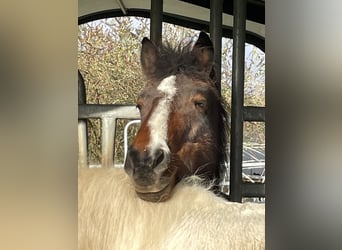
{"x": 81, "y": 90}
{"x": 239, "y": 33}
{"x": 156, "y": 21}
{"x": 215, "y": 28}
{"x": 82, "y": 144}
{"x": 108, "y": 133}
{"x": 82, "y": 126}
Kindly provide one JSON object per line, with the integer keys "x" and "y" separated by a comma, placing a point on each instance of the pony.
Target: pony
{"x": 112, "y": 216}
{"x": 183, "y": 120}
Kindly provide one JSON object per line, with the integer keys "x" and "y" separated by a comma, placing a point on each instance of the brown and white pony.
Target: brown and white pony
{"x": 183, "y": 122}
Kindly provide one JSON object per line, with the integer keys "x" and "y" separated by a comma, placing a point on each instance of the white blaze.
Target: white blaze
{"x": 159, "y": 119}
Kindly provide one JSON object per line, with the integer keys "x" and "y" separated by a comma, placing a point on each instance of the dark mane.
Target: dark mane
{"x": 179, "y": 60}
{"x": 224, "y": 128}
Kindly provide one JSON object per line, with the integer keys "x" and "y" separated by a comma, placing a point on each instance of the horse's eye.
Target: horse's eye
{"x": 201, "y": 104}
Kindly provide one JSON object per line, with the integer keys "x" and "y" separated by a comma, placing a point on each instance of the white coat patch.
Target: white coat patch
{"x": 159, "y": 119}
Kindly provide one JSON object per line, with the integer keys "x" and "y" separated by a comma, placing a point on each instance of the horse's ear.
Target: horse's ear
{"x": 204, "y": 52}
{"x": 148, "y": 57}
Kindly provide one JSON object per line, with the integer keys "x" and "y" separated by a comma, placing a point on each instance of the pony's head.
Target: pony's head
{"x": 183, "y": 122}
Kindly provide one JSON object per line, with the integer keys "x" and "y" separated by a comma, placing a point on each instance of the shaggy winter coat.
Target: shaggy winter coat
{"x": 111, "y": 216}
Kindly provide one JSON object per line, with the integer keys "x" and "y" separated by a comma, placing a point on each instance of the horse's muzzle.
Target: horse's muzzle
{"x": 149, "y": 172}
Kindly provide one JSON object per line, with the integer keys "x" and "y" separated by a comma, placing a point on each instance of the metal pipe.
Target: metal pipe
{"x": 239, "y": 34}
{"x": 215, "y": 28}
{"x": 81, "y": 89}
{"x": 254, "y": 114}
{"x": 108, "y": 133}
{"x": 82, "y": 126}
{"x": 122, "y": 7}
{"x": 156, "y": 21}
{"x": 126, "y": 136}
{"x": 82, "y": 144}
{"x": 108, "y": 113}
{"x": 88, "y": 111}
{"x": 253, "y": 189}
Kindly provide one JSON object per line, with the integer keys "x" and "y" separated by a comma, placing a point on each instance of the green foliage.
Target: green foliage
{"x": 108, "y": 58}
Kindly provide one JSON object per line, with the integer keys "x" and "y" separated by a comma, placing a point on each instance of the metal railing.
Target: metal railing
{"x": 108, "y": 113}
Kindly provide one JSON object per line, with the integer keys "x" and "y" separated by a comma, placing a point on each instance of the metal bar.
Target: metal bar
{"x": 215, "y": 28}
{"x": 104, "y": 110}
{"x": 108, "y": 133}
{"x": 108, "y": 114}
{"x": 126, "y": 136}
{"x": 82, "y": 144}
{"x": 81, "y": 89}
{"x": 253, "y": 189}
{"x": 122, "y": 7}
{"x": 239, "y": 34}
{"x": 82, "y": 126}
{"x": 156, "y": 21}
{"x": 254, "y": 114}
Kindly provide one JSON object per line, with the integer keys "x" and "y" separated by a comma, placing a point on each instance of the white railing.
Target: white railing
{"x": 108, "y": 113}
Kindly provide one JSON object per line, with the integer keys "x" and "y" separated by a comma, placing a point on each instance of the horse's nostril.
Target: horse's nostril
{"x": 160, "y": 158}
